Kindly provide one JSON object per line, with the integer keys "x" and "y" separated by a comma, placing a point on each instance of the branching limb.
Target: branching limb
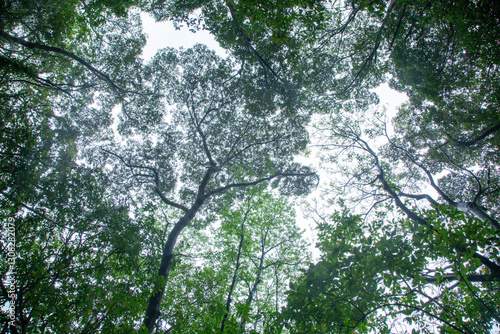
{"x": 249, "y": 46}
{"x": 39, "y": 213}
{"x": 471, "y": 279}
{"x": 372, "y": 57}
{"x": 480, "y": 190}
{"x": 197, "y": 125}
{"x": 475, "y": 141}
{"x": 35, "y": 46}
{"x": 154, "y": 176}
{"x": 425, "y": 170}
{"x": 235, "y": 154}
{"x": 470, "y": 207}
{"x": 253, "y": 183}
{"x": 419, "y": 197}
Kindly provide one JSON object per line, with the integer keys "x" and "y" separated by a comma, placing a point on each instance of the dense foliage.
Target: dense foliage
{"x": 160, "y": 196}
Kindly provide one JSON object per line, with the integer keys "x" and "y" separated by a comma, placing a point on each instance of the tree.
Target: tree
{"x": 196, "y": 133}
{"x": 375, "y": 274}
{"x": 73, "y": 246}
{"x": 453, "y": 94}
{"x": 233, "y": 274}
{"x": 435, "y": 265}
{"x": 209, "y": 142}
{"x": 271, "y": 251}
{"x": 73, "y": 266}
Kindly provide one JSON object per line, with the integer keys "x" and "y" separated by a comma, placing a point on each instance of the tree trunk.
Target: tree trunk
{"x": 231, "y": 289}
{"x": 479, "y": 213}
{"x": 256, "y": 282}
{"x": 153, "y": 310}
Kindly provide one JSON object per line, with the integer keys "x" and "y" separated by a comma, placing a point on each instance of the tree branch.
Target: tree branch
{"x": 470, "y": 207}
{"x": 36, "y": 46}
{"x": 248, "y": 44}
{"x": 154, "y": 303}
{"x": 468, "y": 143}
{"x": 426, "y": 171}
{"x": 155, "y": 176}
{"x": 470, "y": 278}
{"x": 419, "y": 197}
{"x": 246, "y": 184}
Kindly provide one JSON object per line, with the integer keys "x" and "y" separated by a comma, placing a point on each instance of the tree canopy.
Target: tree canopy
{"x": 171, "y": 195}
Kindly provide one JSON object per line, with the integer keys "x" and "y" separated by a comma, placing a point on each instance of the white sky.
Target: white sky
{"x": 163, "y": 34}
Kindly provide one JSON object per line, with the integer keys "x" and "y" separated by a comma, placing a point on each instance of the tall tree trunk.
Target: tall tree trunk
{"x": 153, "y": 310}
{"x": 256, "y": 283}
{"x": 233, "y": 282}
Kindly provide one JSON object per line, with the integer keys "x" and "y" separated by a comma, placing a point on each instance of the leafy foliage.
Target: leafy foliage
{"x": 237, "y": 271}
{"x": 373, "y": 275}
{"x": 165, "y": 180}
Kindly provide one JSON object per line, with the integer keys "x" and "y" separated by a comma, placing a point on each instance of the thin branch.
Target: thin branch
{"x": 381, "y": 177}
{"x": 472, "y": 142}
{"x": 155, "y": 176}
{"x": 229, "y": 158}
{"x": 39, "y": 213}
{"x": 372, "y": 57}
{"x": 478, "y": 182}
{"x": 426, "y": 171}
{"x": 466, "y": 281}
{"x": 397, "y": 28}
{"x": 419, "y": 197}
{"x": 51, "y": 49}
{"x": 253, "y": 183}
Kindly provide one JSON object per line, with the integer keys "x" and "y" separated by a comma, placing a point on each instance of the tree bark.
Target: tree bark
{"x": 153, "y": 309}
